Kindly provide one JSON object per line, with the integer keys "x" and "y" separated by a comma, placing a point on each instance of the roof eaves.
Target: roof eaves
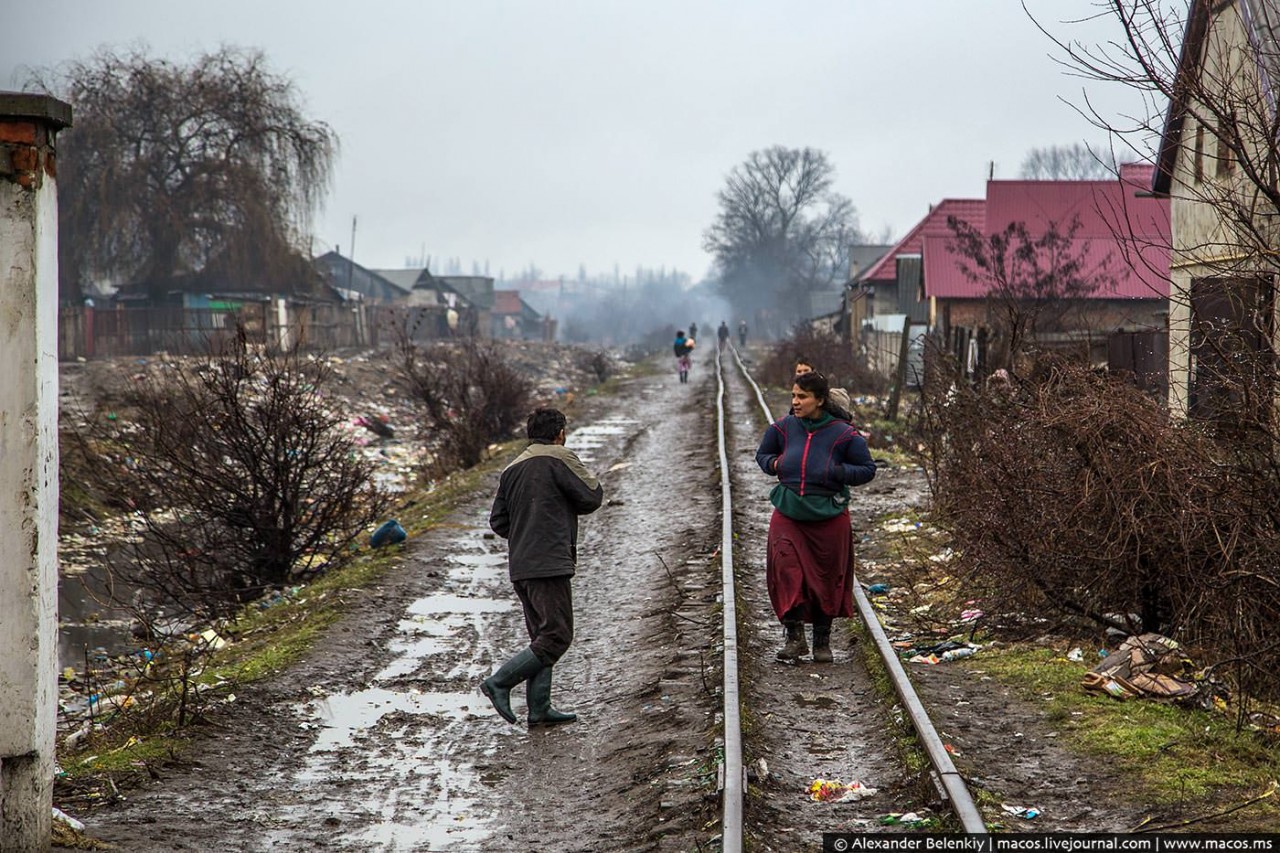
{"x": 1188, "y": 60}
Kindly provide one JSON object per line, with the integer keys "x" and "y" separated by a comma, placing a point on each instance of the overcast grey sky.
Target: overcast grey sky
{"x": 567, "y": 132}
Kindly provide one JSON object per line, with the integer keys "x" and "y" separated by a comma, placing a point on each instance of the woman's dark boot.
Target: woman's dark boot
{"x": 538, "y": 691}
{"x": 497, "y": 687}
{"x": 822, "y": 642}
{"x": 795, "y": 647}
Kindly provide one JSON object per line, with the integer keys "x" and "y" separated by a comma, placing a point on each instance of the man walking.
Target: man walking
{"x": 540, "y": 496}
{"x": 723, "y": 333}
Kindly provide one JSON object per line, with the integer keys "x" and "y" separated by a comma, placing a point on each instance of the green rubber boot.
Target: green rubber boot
{"x": 497, "y": 687}
{"x": 539, "y": 693}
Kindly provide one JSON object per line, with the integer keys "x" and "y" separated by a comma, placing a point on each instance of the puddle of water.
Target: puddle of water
{"x": 588, "y": 438}
{"x": 418, "y": 787}
{"x": 448, "y": 602}
{"x": 84, "y": 619}
{"x": 346, "y": 715}
{"x": 453, "y": 825}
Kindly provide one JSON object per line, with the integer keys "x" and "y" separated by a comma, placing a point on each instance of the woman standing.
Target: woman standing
{"x": 809, "y": 569}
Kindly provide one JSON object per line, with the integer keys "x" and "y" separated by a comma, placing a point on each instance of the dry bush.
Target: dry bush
{"x": 468, "y": 394}
{"x": 239, "y": 478}
{"x": 595, "y": 363}
{"x": 1073, "y": 494}
{"x": 827, "y": 353}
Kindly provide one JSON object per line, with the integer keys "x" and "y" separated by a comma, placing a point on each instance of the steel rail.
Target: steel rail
{"x": 952, "y": 783}
{"x": 733, "y": 786}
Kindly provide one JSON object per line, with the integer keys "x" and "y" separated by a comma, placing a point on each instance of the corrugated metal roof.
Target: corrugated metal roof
{"x": 969, "y": 210}
{"x": 405, "y": 278}
{"x": 1114, "y": 221}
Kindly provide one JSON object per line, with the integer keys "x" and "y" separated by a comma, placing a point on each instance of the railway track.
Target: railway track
{"x": 807, "y": 717}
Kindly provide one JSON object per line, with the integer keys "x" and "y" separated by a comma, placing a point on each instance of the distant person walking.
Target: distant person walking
{"x": 809, "y": 564}
{"x": 742, "y": 333}
{"x": 723, "y": 333}
{"x": 693, "y": 330}
{"x": 683, "y": 347}
{"x": 540, "y": 496}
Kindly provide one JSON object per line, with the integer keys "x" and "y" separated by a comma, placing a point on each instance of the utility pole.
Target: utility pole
{"x": 29, "y": 465}
{"x": 351, "y": 261}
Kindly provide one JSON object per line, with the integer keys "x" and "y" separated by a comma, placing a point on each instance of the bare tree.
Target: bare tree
{"x": 1075, "y": 162}
{"x": 1031, "y": 282}
{"x": 240, "y": 478}
{"x": 172, "y": 170}
{"x": 781, "y": 231}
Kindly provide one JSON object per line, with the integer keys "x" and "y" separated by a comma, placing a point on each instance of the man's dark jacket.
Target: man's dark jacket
{"x": 540, "y": 496}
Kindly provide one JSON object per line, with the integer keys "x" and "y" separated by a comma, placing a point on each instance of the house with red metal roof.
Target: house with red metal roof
{"x": 1113, "y": 229}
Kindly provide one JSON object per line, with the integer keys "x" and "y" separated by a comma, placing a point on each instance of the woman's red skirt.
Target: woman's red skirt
{"x": 809, "y": 569}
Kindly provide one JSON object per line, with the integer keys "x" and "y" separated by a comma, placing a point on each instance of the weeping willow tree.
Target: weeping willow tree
{"x": 205, "y": 170}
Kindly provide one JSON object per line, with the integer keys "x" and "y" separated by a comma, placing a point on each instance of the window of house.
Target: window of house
{"x": 1232, "y": 363}
{"x": 1226, "y": 160}
{"x": 1197, "y": 166}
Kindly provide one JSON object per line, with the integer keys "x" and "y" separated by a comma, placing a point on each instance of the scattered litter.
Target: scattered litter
{"x": 835, "y": 791}
{"x": 60, "y": 815}
{"x": 618, "y": 466}
{"x": 878, "y": 588}
{"x": 1020, "y": 811}
{"x": 1076, "y": 654}
{"x": 379, "y": 425}
{"x": 390, "y": 533}
{"x": 211, "y": 639}
{"x": 900, "y": 525}
{"x": 910, "y": 819}
{"x": 1145, "y": 666}
{"x": 971, "y": 615}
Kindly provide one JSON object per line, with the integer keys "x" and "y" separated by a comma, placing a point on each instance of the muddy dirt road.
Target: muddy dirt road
{"x": 380, "y": 740}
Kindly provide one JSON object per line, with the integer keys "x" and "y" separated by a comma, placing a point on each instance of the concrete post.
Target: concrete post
{"x": 28, "y": 465}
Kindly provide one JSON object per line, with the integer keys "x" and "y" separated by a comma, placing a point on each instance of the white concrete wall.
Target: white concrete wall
{"x": 28, "y": 511}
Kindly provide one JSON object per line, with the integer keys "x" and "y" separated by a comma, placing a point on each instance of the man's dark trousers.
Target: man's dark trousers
{"x": 548, "y": 615}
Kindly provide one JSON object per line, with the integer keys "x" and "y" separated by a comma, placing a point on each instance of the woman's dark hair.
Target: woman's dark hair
{"x": 800, "y": 359}
{"x": 816, "y": 384}
{"x": 545, "y": 424}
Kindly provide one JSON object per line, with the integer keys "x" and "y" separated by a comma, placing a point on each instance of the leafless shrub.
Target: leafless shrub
{"x": 1073, "y": 494}
{"x": 239, "y": 479}
{"x": 468, "y": 394}
{"x": 826, "y": 352}
{"x": 595, "y": 363}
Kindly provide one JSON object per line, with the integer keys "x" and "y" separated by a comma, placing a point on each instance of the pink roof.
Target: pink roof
{"x": 935, "y": 223}
{"x": 1114, "y": 222}
{"x": 506, "y": 302}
